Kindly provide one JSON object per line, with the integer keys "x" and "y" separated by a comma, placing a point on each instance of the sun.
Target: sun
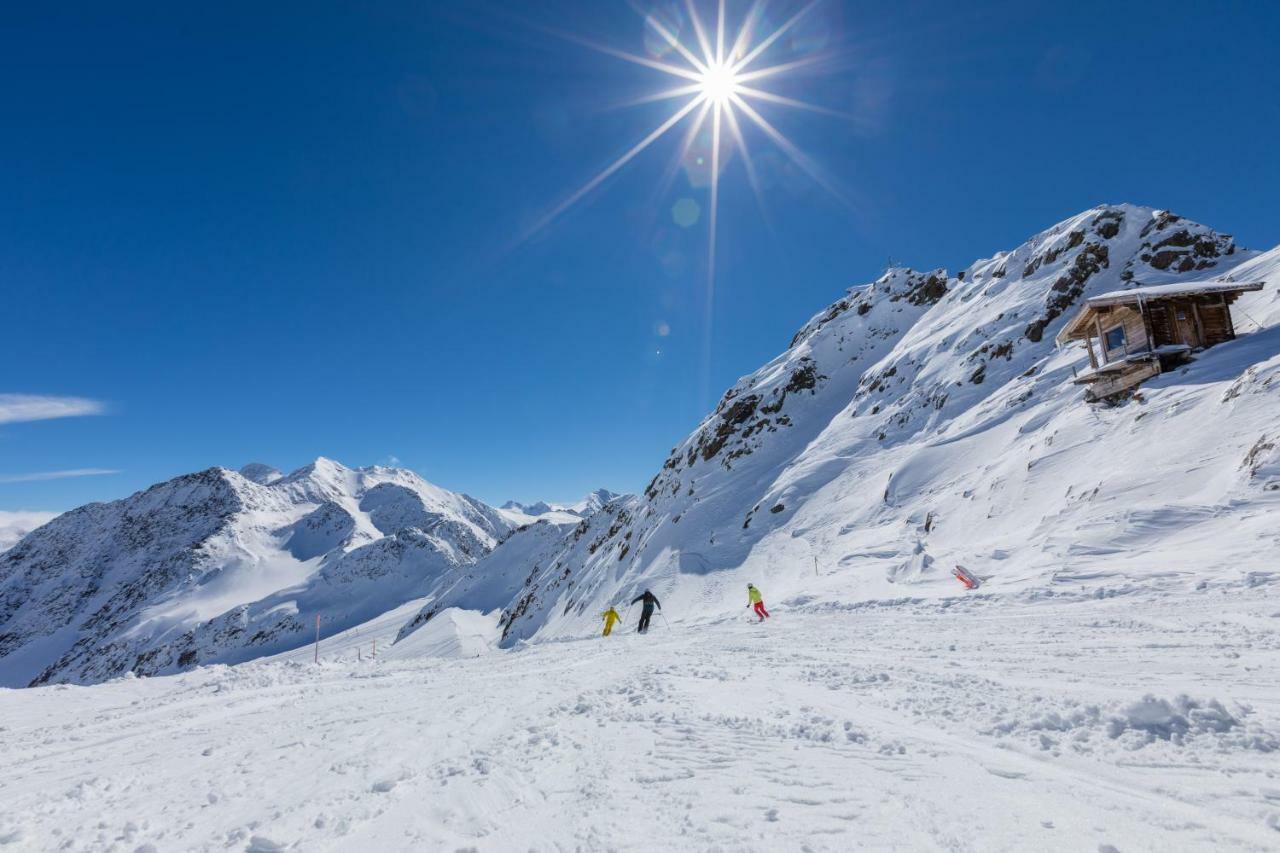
{"x": 719, "y": 83}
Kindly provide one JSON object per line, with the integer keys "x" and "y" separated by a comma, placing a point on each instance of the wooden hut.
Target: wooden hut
{"x": 1132, "y": 335}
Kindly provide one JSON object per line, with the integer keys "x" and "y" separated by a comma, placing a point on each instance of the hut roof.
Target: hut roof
{"x": 1164, "y": 291}
{"x": 1078, "y": 325}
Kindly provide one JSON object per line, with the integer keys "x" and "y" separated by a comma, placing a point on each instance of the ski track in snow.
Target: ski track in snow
{"x": 954, "y": 724}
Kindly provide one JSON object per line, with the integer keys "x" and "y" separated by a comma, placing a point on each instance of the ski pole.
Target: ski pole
{"x": 664, "y": 620}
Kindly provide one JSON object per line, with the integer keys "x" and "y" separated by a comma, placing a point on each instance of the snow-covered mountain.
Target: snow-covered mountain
{"x": 927, "y": 420}
{"x": 922, "y": 421}
{"x": 592, "y": 503}
{"x": 216, "y": 566}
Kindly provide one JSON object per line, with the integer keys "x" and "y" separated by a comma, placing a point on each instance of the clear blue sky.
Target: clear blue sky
{"x": 271, "y": 231}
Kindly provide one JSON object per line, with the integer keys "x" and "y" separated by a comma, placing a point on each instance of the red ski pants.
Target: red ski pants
{"x": 760, "y": 611}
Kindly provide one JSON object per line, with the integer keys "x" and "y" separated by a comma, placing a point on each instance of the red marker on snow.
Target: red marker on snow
{"x": 966, "y": 577}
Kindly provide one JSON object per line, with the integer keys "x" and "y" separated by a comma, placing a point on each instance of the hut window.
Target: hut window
{"x": 1115, "y": 338}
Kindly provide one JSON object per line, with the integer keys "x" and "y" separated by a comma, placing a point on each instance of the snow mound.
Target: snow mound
{"x": 1179, "y": 722}
{"x": 451, "y": 633}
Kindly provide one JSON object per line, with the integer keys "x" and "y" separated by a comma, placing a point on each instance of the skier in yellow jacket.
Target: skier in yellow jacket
{"x": 611, "y": 618}
{"x": 756, "y": 600}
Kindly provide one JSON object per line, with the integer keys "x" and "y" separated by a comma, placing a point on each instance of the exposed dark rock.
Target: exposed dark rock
{"x": 803, "y": 378}
{"x": 1068, "y": 287}
{"x": 927, "y": 290}
{"x": 730, "y": 420}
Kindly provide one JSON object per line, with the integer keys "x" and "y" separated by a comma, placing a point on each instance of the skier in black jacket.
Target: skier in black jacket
{"x": 646, "y": 612}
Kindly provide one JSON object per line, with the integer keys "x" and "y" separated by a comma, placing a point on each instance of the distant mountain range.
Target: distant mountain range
{"x": 582, "y": 508}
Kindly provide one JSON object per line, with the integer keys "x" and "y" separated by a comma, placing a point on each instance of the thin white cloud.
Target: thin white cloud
{"x": 38, "y": 476}
{"x": 15, "y": 524}
{"x": 15, "y": 408}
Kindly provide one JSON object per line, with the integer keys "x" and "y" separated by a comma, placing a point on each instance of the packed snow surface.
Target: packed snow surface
{"x": 1091, "y": 717}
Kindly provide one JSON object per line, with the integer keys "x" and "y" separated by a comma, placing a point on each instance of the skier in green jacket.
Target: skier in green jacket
{"x": 756, "y": 600}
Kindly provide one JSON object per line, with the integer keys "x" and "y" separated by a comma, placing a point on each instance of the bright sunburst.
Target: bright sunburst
{"x": 718, "y": 83}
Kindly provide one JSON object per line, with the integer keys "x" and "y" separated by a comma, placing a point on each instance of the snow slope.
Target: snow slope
{"x": 214, "y": 566}
{"x": 1134, "y": 721}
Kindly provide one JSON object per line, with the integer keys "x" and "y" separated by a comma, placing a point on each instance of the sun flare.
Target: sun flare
{"x": 718, "y": 75}
{"x": 719, "y": 84}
